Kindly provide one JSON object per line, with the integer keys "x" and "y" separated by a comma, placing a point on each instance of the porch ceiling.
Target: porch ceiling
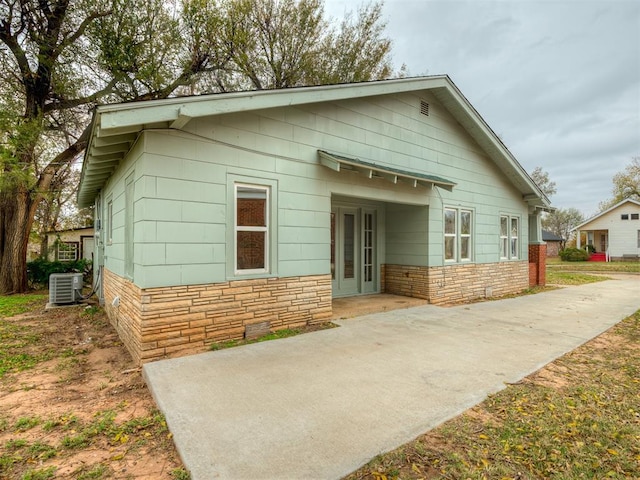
{"x": 371, "y": 170}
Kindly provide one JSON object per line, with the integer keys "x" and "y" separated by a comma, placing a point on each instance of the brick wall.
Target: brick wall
{"x": 156, "y": 323}
{"x": 456, "y": 283}
{"x": 553, "y": 249}
{"x": 537, "y": 264}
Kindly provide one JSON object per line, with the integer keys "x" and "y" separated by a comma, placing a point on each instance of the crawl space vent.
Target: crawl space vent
{"x": 424, "y": 108}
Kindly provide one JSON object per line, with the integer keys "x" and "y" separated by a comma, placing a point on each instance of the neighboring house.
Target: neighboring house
{"x": 616, "y": 231}
{"x": 554, "y": 243}
{"x": 227, "y": 212}
{"x": 71, "y": 245}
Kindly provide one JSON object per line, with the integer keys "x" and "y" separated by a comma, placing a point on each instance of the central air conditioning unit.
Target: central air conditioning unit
{"x": 65, "y": 288}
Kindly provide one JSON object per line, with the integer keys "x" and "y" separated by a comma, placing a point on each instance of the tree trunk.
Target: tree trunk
{"x": 17, "y": 210}
{"x": 15, "y": 225}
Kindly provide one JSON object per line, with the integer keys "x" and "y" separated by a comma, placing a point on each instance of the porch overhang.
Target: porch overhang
{"x": 341, "y": 163}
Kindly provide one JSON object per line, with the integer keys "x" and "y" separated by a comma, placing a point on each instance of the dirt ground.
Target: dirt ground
{"x": 83, "y": 412}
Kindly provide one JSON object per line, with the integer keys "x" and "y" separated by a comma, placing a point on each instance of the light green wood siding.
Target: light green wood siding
{"x": 182, "y": 187}
{"x": 407, "y": 236}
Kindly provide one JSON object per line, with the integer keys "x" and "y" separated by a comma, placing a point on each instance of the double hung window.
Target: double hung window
{"x": 251, "y": 229}
{"x": 509, "y": 237}
{"x": 458, "y": 238}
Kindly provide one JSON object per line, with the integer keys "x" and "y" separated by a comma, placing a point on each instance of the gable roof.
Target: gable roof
{"x": 548, "y": 236}
{"x": 595, "y": 217}
{"x": 116, "y": 127}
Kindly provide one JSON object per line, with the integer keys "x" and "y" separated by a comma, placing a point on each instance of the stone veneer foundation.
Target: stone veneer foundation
{"x": 156, "y": 323}
{"x": 456, "y": 283}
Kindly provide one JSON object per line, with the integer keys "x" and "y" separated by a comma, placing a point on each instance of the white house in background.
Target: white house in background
{"x": 615, "y": 231}
{"x": 71, "y": 245}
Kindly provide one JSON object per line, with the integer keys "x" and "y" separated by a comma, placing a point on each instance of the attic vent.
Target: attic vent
{"x": 424, "y": 108}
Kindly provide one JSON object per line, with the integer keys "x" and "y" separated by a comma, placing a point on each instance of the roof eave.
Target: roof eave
{"x": 610, "y": 209}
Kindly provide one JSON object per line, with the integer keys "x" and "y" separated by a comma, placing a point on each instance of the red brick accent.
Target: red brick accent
{"x": 156, "y": 323}
{"x": 537, "y": 264}
{"x": 458, "y": 283}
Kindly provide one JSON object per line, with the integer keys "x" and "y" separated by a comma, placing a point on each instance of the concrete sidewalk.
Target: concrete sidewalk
{"x": 322, "y": 404}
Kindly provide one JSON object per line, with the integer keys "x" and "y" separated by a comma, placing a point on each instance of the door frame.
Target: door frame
{"x": 366, "y": 266}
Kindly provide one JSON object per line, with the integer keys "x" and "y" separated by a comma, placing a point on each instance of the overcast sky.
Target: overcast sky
{"x": 558, "y": 81}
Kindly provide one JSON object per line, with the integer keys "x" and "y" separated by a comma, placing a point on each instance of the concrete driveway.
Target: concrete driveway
{"x": 320, "y": 405}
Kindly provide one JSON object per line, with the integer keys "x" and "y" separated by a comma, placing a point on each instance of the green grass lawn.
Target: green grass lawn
{"x": 11, "y": 305}
{"x": 554, "y": 264}
{"x": 15, "y": 337}
{"x": 557, "y": 277}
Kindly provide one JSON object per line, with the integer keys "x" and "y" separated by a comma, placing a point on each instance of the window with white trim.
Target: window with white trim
{"x": 509, "y": 237}
{"x": 67, "y": 251}
{"x": 251, "y": 228}
{"x": 458, "y": 238}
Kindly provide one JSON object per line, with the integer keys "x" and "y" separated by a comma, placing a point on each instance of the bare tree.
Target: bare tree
{"x": 626, "y": 184}
{"x": 543, "y": 181}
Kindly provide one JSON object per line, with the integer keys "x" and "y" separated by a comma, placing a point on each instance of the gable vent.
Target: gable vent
{"x": 424, "y": 108}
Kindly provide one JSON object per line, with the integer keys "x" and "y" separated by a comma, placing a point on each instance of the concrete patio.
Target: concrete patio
{"x": 322, "y": 404}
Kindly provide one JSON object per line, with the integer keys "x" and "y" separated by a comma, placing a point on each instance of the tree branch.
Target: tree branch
{"x": 79, "y": 32}
{"x": 59, "y": 162}
{"x": 62, "y": 104}
{"x": 19, "y": 54}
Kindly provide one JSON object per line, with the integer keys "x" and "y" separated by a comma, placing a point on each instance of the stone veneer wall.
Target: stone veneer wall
{"x": 457, "y": 283}
{"x": 155, "y": 323}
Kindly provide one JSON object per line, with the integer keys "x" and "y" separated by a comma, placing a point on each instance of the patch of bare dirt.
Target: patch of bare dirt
{"x": 87, "y": 401}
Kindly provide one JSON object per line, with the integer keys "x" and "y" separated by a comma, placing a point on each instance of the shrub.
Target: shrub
{"x": 574, "y": 255}
{"x": 38, "y": 270}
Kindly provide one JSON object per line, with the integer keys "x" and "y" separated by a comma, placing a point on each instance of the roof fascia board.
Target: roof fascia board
{"x": 471, "y": 113}
{"x": 170, "y": 110}
{"x": 610, "y": 209}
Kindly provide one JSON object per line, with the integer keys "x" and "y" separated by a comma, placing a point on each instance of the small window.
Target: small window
{"x": 67, "y": 251}
{"x": 458, "y": 235}
{"x": 624, "y": 216}
{"x": 251, "y": 228}
{"x": 635, "y": 216}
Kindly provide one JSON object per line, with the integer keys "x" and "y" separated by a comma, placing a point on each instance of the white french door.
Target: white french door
{"x": 353, "y": 251}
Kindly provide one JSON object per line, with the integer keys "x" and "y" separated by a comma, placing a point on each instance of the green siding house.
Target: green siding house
{"x": 219, "y": 213}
